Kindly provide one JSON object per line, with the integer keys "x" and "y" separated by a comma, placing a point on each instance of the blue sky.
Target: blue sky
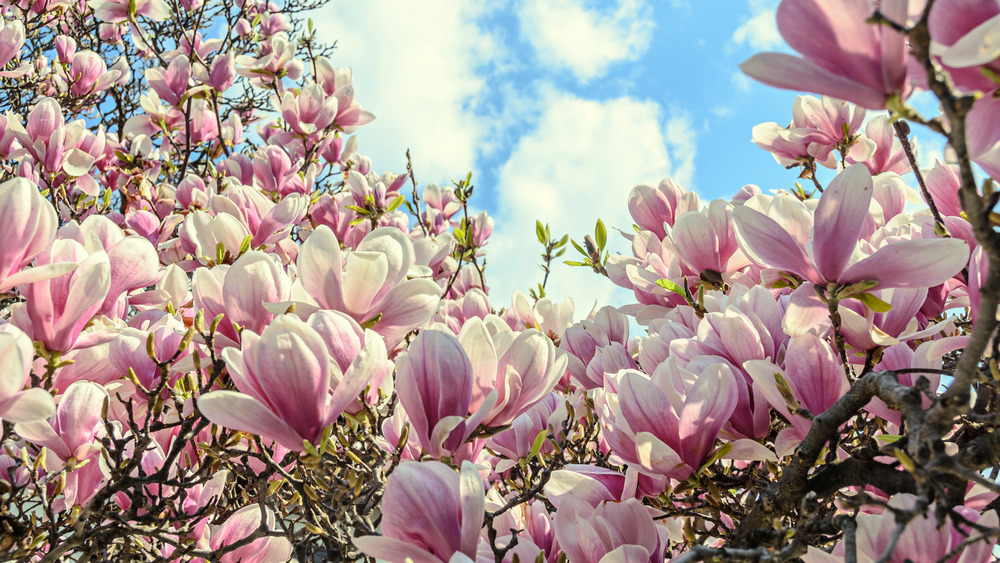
{"x": 560, "y": 107}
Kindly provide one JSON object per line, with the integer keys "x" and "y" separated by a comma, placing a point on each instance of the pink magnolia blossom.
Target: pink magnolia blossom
{"x": 269, "y": 223}
{"x": 965, "y": 30}
{"x": 705, "y": 241}
{"x": 88, "y": 73}
{"x": 888, "y": 155}
{"x": 18, "y": 404}
{"x": 369, "y": 281}
{"x": 434, "y": 383}
{"x": 52, "y": 142}
{"x": 283, "y": 377}
{"x": 128, "y": 350}
{"x": 583, "y": 340}
{"x": 843, "y": 56}
{"x": 814, "y": 376}
{"x": 171, "y": 84}
{"x": 72, "y": 437}
{"x": 57, "y": 310}
{"x": 516, "y": 442}
{"x": 982, "y": 135}
{"x": 275, "y": 171}
{"x": 447, "y": 526}
{"x": 307, "y": 111}
{"x": 652, "y": 207}
{"x": 11, "y": 42}
{"x": 943, "y": 182}
{"x": 829, "y": 256}
{"x": 523, "y": 368}
{"x": 241, "y": 524}
{"x": 27, "y": 227}
{"x": 116, "y": 11}
{"x": 922, "y": 539}
{"x": 254, "y": 280}
{"x": 201, "y": 233}
{"x": 611, "y": 532}
{"x": 664, "y": 433}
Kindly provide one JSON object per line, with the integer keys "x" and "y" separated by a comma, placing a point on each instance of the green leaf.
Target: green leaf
{"x": 536, "y": 446}
{"x": 873, "y": 303}
{"x": 786, "y": 392}
{"x": 562, "y": 242}
{"x": 601, "y": 234}
{"x": 670, "y": 286}
{"x": 245, "y": 244}
{"x": 357, "y": 221}
{"x": 370, "y": 323}
{"x": 540, "y": 231}
{"x": 560, "y": 253}
{"x": 718, "y": 454}
{"x": 220, "y": 253}
{"x": 395, "y": 204}
{"x": 855, "y": 288}
{"x": 572, "y": 263}
{"x": 579, "y": 249}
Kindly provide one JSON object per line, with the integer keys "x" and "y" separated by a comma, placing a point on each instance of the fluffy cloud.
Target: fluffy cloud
{"x": 577, "y": 165}
{"x": 567, "y": 34}
{"x": 760, "y": 30}
{"x": 417, "y": 71}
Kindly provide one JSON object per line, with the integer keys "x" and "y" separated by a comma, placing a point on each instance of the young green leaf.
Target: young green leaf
{"x": 670, "y": 286}
{"x": 601, "y": 234}
{"x": 873, "y": 303}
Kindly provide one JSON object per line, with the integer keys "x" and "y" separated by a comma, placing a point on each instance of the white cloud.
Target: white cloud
{"x": 416, "y": 66}
{"x": 566, "y": 34}
{"x": 682, "y": 144}
{"x": 579, "y": 164}
{"x": 760, "y": 30}
{"x": 740, "y": 81}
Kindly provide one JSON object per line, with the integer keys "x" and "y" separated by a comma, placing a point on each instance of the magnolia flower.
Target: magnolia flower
{"x": 72, "y": 437}
{"x": 843, "y": 56}
{"x": 663, "y": 433}
{"x": 18, "y": 404}
{"x": 290, "y": 389}
{"x": 923, "y": 539}
{"x": 613, "y": 531}
{"x": 27, "y": 227}
{"x": 369, "y": 282}
{"x": 814, "y": 377}
{"x": 445, "y": 527}
{"x": 823, "y": 249}
{"x": 434, "y": 383}
{"x": 116, "y": 11}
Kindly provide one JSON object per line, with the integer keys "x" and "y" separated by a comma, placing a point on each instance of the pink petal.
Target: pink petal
{"x": 838, "y": 219}
{"x": 473, "y": 501}
{"x": 774, "y": 247}
{"x": 393, "y": 551}
{"x": 28, "y": 406}
{"x": 646, "y": 408}
{"x": 320, "y": 265}
{"x": 707, "y": 407}
{"x": 910, "y": 263}
{"x": 241, "y": 412}
{"x": 793, "y": 73}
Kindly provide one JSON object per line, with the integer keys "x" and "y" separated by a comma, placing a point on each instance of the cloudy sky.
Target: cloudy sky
{"x": 559, "y": 108}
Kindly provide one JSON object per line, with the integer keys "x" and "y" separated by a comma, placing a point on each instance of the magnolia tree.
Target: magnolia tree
{"x": 225, "y": 337}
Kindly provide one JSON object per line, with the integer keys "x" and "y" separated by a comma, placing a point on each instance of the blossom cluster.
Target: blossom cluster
{"x": 224, "y": 336}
